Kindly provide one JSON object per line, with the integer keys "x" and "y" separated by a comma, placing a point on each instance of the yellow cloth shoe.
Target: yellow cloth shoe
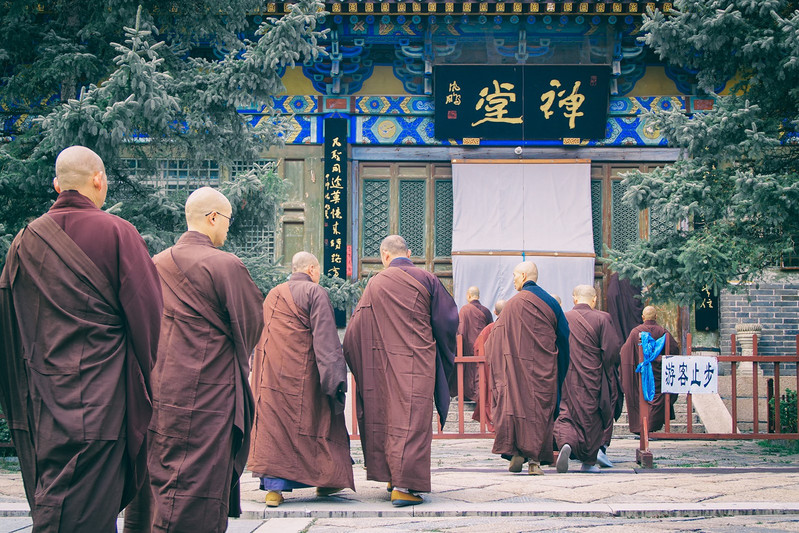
{"x": 326, "y": 491}
{"x": 402, "y": 499}
{"x": 389, "y": 487}
{"x": 534, "y": 469}
{"x": 273, "y": 498}
{"x": 516, "y": 463}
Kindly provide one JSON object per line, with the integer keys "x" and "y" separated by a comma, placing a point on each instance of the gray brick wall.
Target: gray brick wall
{"x": 774, "y": 304}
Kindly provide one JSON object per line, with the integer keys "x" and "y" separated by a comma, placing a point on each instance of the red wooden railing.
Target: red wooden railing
{"x": 644, "y": 454}
{"x": 460, "y": 361}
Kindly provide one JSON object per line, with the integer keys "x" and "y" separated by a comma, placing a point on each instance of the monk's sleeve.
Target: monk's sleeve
{"x": 444, "y": 315}
{"x": 327, "y": 348}
{"x": 611, "y": 344}
{"x": 243, "y": 302}
{"x": 140, "y": 298}
{"x": 674, "y": 348}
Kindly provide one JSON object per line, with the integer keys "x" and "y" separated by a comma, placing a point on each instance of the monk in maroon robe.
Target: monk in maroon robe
{"x": 472, "y": 318}
{"x": 203, "y": 407}
{"x": 80, "y": 306}
{"x": 484, "y": 400}
{"x": 299, "y": 380}
{"x": 400, "y": 346}
{"x": 586, "y": 408}
{"x": 528, "y": 354}
{"x": 631, "y": 381}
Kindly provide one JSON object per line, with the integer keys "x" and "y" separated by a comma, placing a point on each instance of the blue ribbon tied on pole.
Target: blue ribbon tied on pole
{"x": 652, "y": 349}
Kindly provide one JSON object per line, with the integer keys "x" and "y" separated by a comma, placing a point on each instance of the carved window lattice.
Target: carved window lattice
{"x": 412, "y": 200}
{"x": 261, "y": 238}
{"x": 624, "y": 219}
{"x": 375, "y": 215}
{"x": 241, "y": 167}
{"x": 175, "y": 174}
{"x": 443, "y": 218}
{"x": 658, "y": 224}
{"x": 596, "y": 215}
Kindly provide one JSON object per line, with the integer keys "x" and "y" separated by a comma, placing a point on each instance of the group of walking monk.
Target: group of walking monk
{"x": 127, "y": 381}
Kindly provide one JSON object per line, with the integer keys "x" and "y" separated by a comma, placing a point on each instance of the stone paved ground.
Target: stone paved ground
{"x": 697, "y": 486}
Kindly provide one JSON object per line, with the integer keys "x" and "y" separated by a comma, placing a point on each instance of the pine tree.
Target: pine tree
{"x": 130, "y": 80}
{"x": 732, "y": 198}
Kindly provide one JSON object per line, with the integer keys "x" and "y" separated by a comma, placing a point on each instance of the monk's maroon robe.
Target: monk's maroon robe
{"x": 403, "y": 319}
{"x": 484, "y": 400}
{"x": 202, "y": 404}
{"x": 472, "y": 318}
{"x": 299, "y": 380}
{"x": 586, "y": 407}
{"x": 81, "y": 305}
{"x": 631, "y": 381}
{"x": 522, "y": 354}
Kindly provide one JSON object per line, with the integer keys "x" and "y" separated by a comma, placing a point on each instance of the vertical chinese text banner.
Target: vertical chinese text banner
{"x": 335, "y": 197}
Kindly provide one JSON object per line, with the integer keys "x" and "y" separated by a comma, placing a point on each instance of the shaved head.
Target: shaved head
{"x": 209, "y": 212}
{"x": 392, "y": 247}
{"x": 524, "y": 272}
{"x": 472, "y": 293}
{"x": 499, "y": 306}
{"x": 529, "y": 268}
{"x": 649, "y": 313}
{"x": 204, "y": 200}
{"x": 75, "y": 166}
{"x": 557, "y": 299}
{"x": 79, "y": 169}
{"x": 302, "y": 260}
{"x": 306, "y": 263}
{"x": 584, "y": 294}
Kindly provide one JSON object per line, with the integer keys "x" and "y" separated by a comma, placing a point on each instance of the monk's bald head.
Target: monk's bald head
{"x": 392, "y": 247}
{"x": 75, "y": 166}
{"x": 584, "y": 294}
{"x": 78, "y": 168}
{"x": 209, "y": 212}
{"x": 557, "y": 299}
{"x": 306, "y": 263}
{"x": 524, "y": 272}
{"x": 472, "y": 293}
{"x": 649, "y": 313}
{"x": 499, "y": 306}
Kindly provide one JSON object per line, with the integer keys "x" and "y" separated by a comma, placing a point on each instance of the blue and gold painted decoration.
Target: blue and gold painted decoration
{"x": 382, "y": 129}
{"x": 296, "y": 104}
{"x": 301, "y": 129}
{"x": 393, "y": 105}
{"x": 343, "y": 69}
{"x": 623, "y": 106}
{"x": 403, "y": 120}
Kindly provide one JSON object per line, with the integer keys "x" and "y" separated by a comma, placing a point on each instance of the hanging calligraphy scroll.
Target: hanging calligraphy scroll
{"x": 335, "y": 199}
{"x": 528, "y": 102}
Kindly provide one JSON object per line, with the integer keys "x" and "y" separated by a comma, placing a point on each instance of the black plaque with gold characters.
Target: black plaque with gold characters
{"x": 529, "y": 102}
{"x": 335, "y": 198}
{"x": 706, "y": 311}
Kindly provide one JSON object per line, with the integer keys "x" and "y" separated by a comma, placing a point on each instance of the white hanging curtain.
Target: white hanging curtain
{"x": 508, "y": 211}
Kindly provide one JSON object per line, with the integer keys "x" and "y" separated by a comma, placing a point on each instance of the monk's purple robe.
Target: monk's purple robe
{"x": 80, "y": 306}
{"x": 528, "y": 356}
{"x": 587, "y": 407}
{"x": 631, "y": 381}
{"x": 400, "y": 346}
{"x": 472, "y": 318}
{"x": 202, "y": 403}
{"x": 299, "y": 380}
